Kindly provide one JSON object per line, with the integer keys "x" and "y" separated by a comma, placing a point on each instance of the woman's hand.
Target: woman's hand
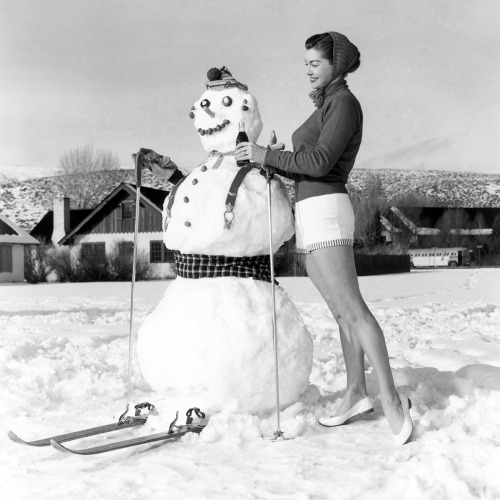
{"x": 250, "y": 151}
{"x": 273, "y": 142}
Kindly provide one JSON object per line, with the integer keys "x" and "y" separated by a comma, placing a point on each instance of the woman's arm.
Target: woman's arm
{"x": 340, "y": 121}
{"x": 341, "y": 117}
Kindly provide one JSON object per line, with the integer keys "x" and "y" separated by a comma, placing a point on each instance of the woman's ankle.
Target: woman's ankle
{"x": 356, "y": 392}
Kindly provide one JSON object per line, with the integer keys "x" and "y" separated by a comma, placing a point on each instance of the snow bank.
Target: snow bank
{"x": 63, "y": 353}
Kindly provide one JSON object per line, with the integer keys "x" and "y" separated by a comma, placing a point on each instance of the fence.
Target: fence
{"x": 288, "y": 263}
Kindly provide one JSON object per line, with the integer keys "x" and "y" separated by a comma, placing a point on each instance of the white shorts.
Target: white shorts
{"x": 323, "y": 221}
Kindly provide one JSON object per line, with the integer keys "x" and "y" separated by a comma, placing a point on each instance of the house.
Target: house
{"x": 424, "y": 222}
{"x": 59, "y": 221}
{"x": 111, "y": 224}
{"x": 12, "y": 242}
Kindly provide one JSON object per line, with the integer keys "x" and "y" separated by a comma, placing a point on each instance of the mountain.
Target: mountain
{"x": 26, "y": 201}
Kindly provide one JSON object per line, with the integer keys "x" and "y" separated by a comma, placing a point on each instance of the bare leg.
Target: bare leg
{"x": 334, "y": 274}
{"x": 351, "y": 348}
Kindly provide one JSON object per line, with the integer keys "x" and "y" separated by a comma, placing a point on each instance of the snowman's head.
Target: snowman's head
{"x": 221, "y": 108}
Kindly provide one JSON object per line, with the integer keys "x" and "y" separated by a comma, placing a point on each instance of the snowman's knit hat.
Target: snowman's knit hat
{"x": 219, "y": 79}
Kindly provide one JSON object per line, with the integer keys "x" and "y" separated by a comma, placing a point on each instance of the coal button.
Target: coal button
{"x": 203, "y": 168}
{"x": 195, "y": 181}
{"x": 187, "y": 224}
{"x": 186, "y": 199}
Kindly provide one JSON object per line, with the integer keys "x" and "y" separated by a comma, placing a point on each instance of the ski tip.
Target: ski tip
{"x": 14, "y": 437}
{"x": 59, "y": 446}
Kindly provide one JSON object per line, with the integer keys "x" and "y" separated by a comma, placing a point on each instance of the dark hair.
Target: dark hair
{"x": 323, "y": 43}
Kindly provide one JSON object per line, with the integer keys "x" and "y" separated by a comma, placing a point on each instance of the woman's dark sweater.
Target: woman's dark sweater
{"x": 324, "y": 146}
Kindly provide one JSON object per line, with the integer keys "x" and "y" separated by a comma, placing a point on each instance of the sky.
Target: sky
{"x": 122, "y": 74}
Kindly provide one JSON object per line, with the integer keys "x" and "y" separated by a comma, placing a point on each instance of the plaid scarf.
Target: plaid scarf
{"x": 197, "y": 266}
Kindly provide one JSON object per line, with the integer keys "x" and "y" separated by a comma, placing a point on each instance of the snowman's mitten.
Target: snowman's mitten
{"x": 162, "y": 166}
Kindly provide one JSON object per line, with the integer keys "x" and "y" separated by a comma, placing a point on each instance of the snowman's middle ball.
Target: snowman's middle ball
{"x": 217, "y": 115}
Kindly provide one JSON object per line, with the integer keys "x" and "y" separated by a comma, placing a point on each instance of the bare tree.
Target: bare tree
{"x": 368, "y": 206}
{"x": 80, "y": 167}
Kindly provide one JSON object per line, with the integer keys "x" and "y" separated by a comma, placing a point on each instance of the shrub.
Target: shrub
{"x": 120, "y": 265}
{"x": 37, "y": 263}
{"x": 66, "y": 264}
{"x": 116, "y": 266}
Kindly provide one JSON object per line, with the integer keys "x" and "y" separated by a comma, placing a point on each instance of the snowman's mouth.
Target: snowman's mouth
{"x": 212, "y": 130}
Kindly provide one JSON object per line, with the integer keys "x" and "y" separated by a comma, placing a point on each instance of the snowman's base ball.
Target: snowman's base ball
{"x": 209, "y": 343}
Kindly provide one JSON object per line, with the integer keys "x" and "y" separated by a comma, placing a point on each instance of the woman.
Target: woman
{"x": 325, "y": 147}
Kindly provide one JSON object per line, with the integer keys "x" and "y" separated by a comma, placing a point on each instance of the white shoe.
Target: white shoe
{"x": 405, "y": 432}
{"x": 357, "y": 411}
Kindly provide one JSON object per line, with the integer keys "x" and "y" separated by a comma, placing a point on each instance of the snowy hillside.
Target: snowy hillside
{"x": 17, "y": 173}
{"x": 63, "y": 367}
{"x": 450, "y": 189}
{"x": 25, "y": 202}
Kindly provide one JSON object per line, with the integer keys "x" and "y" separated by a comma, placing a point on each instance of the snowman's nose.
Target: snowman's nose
{"x": 205, "y": 106}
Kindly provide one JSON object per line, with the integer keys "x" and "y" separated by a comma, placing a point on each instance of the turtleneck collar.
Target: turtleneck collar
{"x": 318, "y": 95}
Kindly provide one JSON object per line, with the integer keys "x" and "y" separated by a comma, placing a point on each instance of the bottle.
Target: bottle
{"x": 242, "y": 137}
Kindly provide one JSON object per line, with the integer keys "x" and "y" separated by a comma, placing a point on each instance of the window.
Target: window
{"x": 5, "y": 258}
{"x": 128, "y": 208}
{"x": 126, "y": 249}
{"x": 158, "y": 252}
{"x": 94, "y": 252}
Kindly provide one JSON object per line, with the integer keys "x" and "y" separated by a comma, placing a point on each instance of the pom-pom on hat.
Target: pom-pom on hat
{"x": 219, "y": 79}
{"x": 345, "y": 53}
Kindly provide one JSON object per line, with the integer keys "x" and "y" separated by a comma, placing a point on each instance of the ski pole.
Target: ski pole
{"x": 278, "y": 434}
{"x": 138, "y": 167}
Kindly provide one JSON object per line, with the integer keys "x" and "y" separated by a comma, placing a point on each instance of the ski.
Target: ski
{"x": 71, "y": 436}
{"x": 118, "y": 445}
{"x": 174, "y": 432}
{"x": 124, "y": 422}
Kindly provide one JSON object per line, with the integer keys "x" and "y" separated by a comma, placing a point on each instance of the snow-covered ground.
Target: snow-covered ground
{"x": 63, "y": 366}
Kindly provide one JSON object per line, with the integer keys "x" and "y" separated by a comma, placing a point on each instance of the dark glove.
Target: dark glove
{"x": 162, "y": 166}
{"x": 149, "y": 157}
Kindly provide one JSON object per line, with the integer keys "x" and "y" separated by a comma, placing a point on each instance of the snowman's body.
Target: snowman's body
{"x": 209, "y": 342}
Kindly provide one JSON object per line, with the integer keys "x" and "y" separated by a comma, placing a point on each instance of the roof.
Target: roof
{"x": 432, "y": 214}
{"x": 45, "y": 226}
{"x": 156, "y": 196}
{"x": 152, "y": 197}
{"x": 11, "y": 233}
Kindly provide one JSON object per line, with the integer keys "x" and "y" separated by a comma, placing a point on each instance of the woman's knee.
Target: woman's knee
{"x": 355, "y": 313}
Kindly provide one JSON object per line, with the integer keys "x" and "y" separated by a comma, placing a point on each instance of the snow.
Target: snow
{"x": 221, "y": 325}
{"x": 214, "y": 115}
{"x": 63, "y": 366}
{"x": 197, "y": 224}
{"x": 206, "y": 192}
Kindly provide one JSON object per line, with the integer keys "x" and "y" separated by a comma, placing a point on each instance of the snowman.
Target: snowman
{"x": 209, "y": 342}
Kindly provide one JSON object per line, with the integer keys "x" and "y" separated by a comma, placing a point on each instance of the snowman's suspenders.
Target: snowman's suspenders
{"x": 230, "y": 199}
{"x": 231, "y": 196}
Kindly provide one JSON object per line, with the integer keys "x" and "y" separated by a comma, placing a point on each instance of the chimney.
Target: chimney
{"x": 61, "y": 219}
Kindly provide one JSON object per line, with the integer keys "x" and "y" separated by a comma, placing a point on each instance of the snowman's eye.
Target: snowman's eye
{"x": 205, "y": 103}
{"x": 227, "y": 101}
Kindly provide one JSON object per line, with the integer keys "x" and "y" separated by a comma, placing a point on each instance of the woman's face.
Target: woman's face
{"x": 319, "y": 69}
